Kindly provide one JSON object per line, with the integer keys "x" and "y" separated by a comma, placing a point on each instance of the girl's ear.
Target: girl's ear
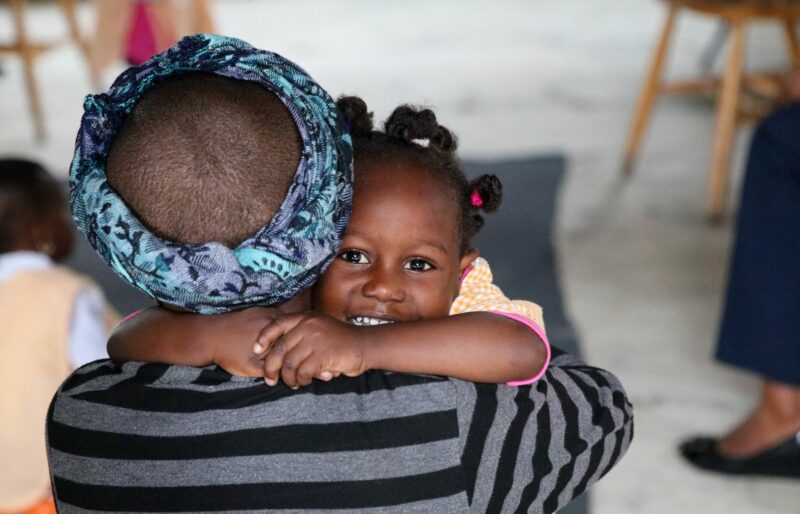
{"x": 466, "y": 260}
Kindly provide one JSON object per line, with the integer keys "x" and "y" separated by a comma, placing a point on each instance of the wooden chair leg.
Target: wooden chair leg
{"x": 650, "y": 91}
{"x": 112, "y": 19}
{"x": 789, "y": 30}
{"x": 68, "y": 8}
{"x": 727, "y": 107}
{"x": 28, "y": 54}
{"x": 202, "y": 19}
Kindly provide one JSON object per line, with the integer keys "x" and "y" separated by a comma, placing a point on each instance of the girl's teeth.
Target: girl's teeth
{"x": 366, "y": 321}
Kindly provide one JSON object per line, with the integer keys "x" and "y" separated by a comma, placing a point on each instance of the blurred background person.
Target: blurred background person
{"x": 760, "y": 330}
{"x": 53, "y": 320}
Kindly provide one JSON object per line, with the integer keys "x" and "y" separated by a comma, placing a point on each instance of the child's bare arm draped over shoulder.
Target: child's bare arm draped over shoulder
{"x": 479, "y": 347}
{"x": 157, "y": 334}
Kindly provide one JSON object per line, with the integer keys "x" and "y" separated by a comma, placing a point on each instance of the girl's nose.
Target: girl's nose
{"x": 384, "y": 286}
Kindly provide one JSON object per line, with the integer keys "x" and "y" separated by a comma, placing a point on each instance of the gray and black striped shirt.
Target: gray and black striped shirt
{"x": 157, "y": 438}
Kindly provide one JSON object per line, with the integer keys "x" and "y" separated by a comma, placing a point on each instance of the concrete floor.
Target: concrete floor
{"x": 642, "y": 269}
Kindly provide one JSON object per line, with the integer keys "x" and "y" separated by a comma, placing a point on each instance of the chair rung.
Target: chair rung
{"x": 35, "y": 48}
{"x": 705, "y": 85}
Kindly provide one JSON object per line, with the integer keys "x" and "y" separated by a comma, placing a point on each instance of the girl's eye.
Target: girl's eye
{"x": 354, "y": 257}
{"x": 418, "y": 265}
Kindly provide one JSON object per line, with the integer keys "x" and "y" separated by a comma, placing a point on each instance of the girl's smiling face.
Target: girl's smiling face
{"x": 400, "y": 259}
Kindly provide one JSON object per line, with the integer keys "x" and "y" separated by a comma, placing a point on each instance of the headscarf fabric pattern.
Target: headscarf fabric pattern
{"x": 282, "y": 258}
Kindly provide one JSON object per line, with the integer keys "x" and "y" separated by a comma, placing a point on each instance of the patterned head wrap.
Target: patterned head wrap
{"x": 279, "y": 260}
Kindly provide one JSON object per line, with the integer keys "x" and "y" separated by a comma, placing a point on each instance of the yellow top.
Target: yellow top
{"x": 479, "y": 294}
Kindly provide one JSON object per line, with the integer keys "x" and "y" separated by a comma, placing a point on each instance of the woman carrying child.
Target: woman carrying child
{"x": 405, "y": 258}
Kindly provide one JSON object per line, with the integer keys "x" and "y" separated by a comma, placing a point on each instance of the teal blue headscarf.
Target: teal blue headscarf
{"x": 279, "y": 260}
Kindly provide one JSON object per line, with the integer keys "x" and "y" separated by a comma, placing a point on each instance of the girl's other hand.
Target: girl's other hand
{"x": 160, "y": 335}
{"x": 233, "y": 336}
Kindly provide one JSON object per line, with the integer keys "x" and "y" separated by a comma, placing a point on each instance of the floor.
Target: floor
{"x": 642, "y": 269}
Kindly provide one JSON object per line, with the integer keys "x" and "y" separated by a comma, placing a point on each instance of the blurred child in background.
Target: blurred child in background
{"x": 53, "y": 320}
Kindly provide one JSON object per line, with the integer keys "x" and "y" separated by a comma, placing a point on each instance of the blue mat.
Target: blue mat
{"x": 517, "y": 240}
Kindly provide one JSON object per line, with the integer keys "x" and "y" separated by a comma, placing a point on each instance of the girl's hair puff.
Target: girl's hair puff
{"x": 413, "y": 135}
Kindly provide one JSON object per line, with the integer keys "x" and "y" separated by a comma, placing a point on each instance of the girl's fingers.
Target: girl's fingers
{"x": 276, "y": 328}
{"x": 292, "y": 362}
{"x": 265, "y": 337}
{"x": 309, "y": 369}
{"x": 274, "y": 358}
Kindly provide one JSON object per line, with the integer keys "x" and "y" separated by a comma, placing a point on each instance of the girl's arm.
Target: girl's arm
{"x": 478, "y": 293}
{"x": 160, "y": 335}
{"x": 487, "y": 338}
{"x": 478, "y": 346}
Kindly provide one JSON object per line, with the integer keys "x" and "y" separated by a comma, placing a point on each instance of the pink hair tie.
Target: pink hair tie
{"x": 476, "y": 200}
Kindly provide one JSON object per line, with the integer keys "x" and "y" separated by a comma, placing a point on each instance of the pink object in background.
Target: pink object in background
{"x": 141, "y": 43}
{"x": 135, "y": 30}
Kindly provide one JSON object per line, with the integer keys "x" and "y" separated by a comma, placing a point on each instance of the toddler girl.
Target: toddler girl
{"x": 405, "y": 258}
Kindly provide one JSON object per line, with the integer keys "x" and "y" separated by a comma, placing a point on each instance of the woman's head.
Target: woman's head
{"x": 33, "y": 213}
{"x": 413, "y": 216}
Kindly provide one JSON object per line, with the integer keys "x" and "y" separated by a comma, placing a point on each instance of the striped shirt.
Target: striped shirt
{"x": 157, "y": 438}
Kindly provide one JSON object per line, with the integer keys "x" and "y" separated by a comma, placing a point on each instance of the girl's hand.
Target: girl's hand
{"x": 303, "y": 346}
{"x": 232, "y": 337}
{"x": 160, "y": 335}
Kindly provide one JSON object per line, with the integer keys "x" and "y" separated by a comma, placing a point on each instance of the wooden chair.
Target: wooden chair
{"x": 29, "y": 51}
{"x": 737, "y": 14}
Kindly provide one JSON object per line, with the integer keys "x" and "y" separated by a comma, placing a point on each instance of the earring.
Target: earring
{"x": 46, "y": 247}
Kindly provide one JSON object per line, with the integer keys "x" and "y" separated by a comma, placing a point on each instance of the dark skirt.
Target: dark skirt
{"x": 760, "y": 328}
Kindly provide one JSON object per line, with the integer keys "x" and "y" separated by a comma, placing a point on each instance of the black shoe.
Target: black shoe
{"x": 782, "y": 460}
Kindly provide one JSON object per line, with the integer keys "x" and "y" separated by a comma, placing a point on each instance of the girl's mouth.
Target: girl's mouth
{"x": 366, "y": 321}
